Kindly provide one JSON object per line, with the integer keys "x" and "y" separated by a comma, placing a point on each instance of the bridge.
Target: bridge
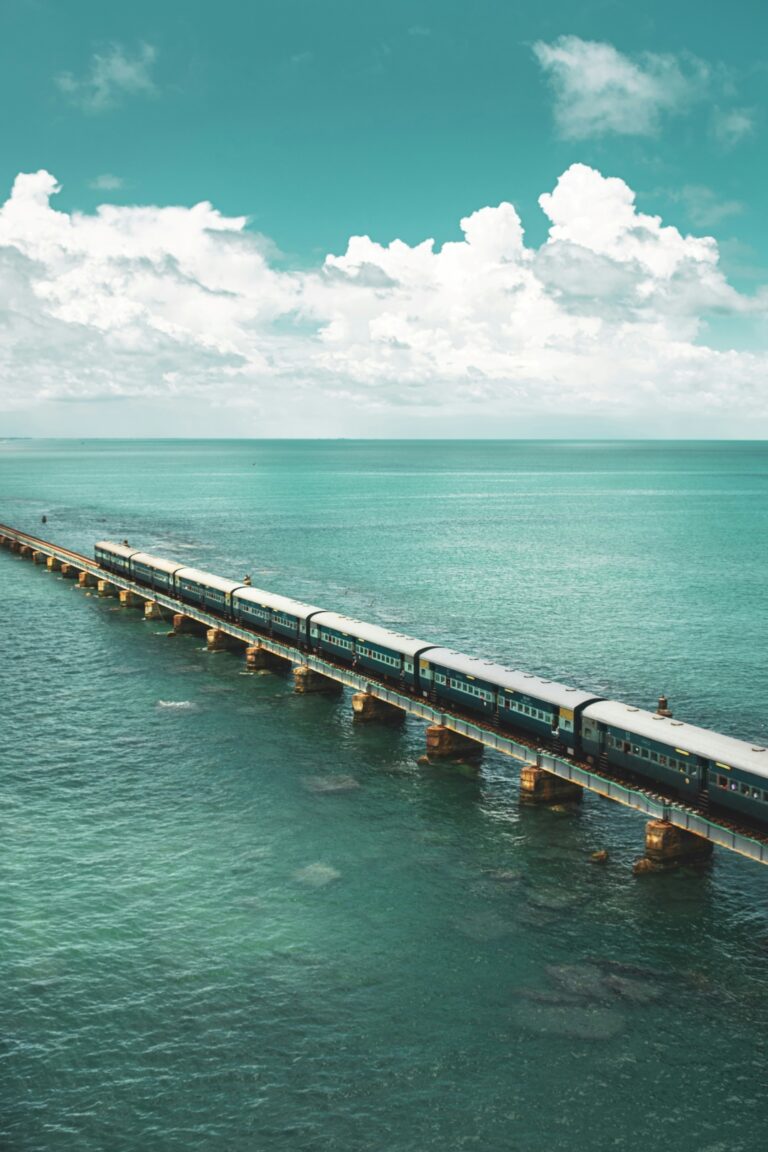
{"x": 675, "y": 832}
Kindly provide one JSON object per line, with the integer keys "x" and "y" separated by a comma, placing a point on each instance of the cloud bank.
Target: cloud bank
{"x": 608, "y": 315}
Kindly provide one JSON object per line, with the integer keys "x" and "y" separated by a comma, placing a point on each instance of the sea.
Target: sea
{"x": 231, "y": 920}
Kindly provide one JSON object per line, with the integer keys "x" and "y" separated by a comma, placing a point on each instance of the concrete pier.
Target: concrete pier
{"x": 367, "y": 708}
{"x": 258, "y": 659}
{"x": 53, "y": 564}
{"x": 25, "y": 551}
{"x": 130, "y": 599}
{"x": 38, "y": 557}
{"x": 104, "y": 588}
{"x": 87, "y": 580}
{"x": 218, "y": 641}
{"x": 540, "y": 787}
{"x": 186, "y": 626}
{"x": 668, "y": 847}
{"x": 69, "y": 572}
{"x": 445, "y": 744}
{"x": 308, "y": 680}
{"x": 155, "y": 611}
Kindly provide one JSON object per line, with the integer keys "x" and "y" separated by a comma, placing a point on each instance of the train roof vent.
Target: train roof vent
{"x": 545, "y": 681}
{"x": 528, "y": 675}
{"x": 676, "y": 723}
{"x": 571, "y": 689}
{"x": 758, "y": 748}
{"x": 633, "y": 709}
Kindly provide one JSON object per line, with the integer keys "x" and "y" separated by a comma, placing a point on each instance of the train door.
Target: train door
{"x": 702, "y": 769}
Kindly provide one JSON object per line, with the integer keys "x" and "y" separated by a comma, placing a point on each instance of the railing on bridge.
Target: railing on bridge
{"x": 650, "y": 804}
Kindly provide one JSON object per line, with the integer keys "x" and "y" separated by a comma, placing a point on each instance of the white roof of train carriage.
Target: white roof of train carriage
{"x": 120, "y": 549}
{"x": 168, "y": 566}
{"x": 725, "y": 750}
{"x": 279, "y": 603}
{"x": 208, "y": 579}
{"x": 512, "y": 679}
{"x": 373, "y": 633}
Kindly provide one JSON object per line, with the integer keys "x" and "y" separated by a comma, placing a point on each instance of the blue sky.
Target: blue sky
{"x": 321, "y": 121}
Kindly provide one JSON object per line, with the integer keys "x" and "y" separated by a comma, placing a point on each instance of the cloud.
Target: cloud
{"x": 599, "y": 91}
{"x": 732, "y": 125}
{"x": 113, "y": 75}
{"x": 107, "y": 183}
{"x": 607, "y": 317}
{"x": 704, "y": 207}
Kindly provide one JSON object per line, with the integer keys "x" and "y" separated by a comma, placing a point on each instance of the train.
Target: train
{"x": 699, "y": 766}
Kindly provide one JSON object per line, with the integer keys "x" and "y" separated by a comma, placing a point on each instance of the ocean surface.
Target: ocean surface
{"x": 203, "y": 946}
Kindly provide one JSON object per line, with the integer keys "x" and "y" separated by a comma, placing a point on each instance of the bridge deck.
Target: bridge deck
{"x": 746, "y": 842}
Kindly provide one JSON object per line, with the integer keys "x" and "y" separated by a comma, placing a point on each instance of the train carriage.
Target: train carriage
{"x": 114, "y": 557}
{"x": 390, "y": 655}
{"x": 155, "y": 572}
{"x": 694, "y": 762}
{"x": 205, "y": 589}
{"x": 275, "y": 615}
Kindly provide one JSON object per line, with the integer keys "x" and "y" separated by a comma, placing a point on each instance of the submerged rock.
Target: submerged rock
{"x": 583, "y": 980}
{"x": 634, "y": 991}
{"x": 484, "y": 926}
{"x": 331, "y": 783}
{"x": 570, "y": 1022}
{"x": 317, "y": 875}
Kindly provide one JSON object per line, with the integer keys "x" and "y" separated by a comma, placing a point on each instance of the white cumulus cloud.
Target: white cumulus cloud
{"x": 608, "y": 316}
{"x": 599, "y": 90}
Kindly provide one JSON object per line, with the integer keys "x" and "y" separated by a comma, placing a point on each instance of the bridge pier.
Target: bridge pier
{"x": 367, "y": 708}
{"x": 130, "y": 599}
{"x": 53, "y": 564}
{"x": 104, "y": 588}
{"x": 25, "y": 551}
{"x": 38, "y": 557}
{"x": 155, "y": 611}
{"x": 260, "y": 659}
{"x": 445, "y": 744}
{"x": 307, "y": 680}
{"x": 69, "y": 572}
{"x": 87, "y": 580}
{"x": 186, "y": 626}
{"x": 668, "y": 847}
{"x": 540, "y": 787}
{"x": 218, "y": 641}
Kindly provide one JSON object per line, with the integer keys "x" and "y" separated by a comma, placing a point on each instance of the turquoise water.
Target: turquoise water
{"x": 202, "y": 947}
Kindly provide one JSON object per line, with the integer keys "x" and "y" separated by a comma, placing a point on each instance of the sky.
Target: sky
{"x": 432, "y": 218}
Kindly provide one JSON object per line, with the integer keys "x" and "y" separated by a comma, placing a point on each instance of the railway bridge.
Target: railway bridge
{"x": 675, "y": 832}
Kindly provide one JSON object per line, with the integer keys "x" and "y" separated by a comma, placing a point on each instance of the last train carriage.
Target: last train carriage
{"x": 700, "y": 766}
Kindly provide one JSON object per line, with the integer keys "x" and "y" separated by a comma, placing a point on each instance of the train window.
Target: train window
{"x": 662, "y": 759}
{"x": 745, "y": 789}
{"x": 756, "y": 794}
{"x": 635, "y": 750}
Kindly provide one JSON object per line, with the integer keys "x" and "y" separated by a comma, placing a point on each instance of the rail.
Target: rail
{"x": 745, "y": 842}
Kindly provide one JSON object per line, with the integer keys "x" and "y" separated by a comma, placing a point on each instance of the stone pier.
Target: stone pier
{"x": 87, "y": 580}
{"x": 104, "y": 588}
{"x": 185, "y": 625}
{"x": 308, "y": 680}
{"x": 367, "y": 708}
{"x": 540, "y": 787}
{"x": 53, "y": 564}
{"x": 155, "y": 611}
{"x": 218, "y": 641}
{"x": 668, "y": 847}
{"x": 259, "y": 659}
{"x": 445, "y": 744}
{"x": 130, "y": 599}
